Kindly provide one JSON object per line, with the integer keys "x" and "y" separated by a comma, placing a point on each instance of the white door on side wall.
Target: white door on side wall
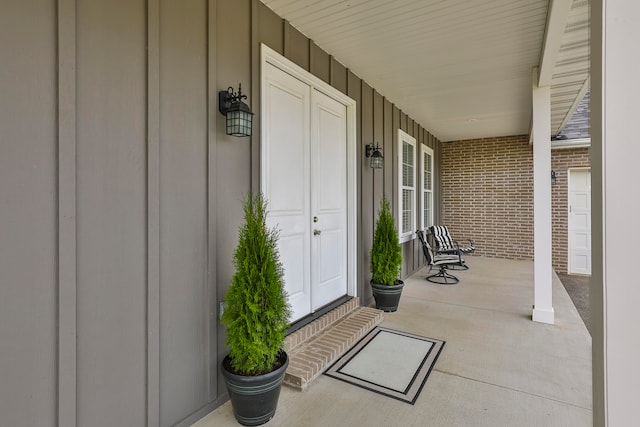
{"x": 579, "y": 221}
{"x": 304, "y": 177}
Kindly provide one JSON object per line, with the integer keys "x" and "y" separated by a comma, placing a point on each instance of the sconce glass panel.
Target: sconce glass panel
{"x": 376, "y": 159}
{"x": 239, "y": 123}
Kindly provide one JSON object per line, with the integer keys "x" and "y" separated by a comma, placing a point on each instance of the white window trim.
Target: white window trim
{"x": 427, "y": 150}
{"x": 402, "y": 138}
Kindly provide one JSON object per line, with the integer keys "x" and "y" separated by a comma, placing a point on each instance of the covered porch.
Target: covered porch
{"x": 120, "y": 201}
{"x": 497, "y": 367}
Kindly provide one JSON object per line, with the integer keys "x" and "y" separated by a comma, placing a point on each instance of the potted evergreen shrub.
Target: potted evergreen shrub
{"x": 256, "y": 316}
{"x": 386, "y": 260}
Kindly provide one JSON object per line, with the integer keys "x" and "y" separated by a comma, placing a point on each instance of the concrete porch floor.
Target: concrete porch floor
{"x": 498, "y": 368}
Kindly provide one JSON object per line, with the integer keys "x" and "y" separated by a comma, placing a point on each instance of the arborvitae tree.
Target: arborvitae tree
{"x": 386, "y": 253}
{"x": 257, "y": 311}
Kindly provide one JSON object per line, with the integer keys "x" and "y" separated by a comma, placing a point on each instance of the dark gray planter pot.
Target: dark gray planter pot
{"x": 387, "y": 297}
{"x": 254, "y": 398}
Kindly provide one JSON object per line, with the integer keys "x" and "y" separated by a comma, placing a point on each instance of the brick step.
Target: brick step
{"x": 302, "y": 335}
{"x": 309, "y": 359}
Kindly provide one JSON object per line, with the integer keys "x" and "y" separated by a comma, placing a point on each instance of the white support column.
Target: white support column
{"x": 541, "y": 131}
{"x": 614, "y": 292}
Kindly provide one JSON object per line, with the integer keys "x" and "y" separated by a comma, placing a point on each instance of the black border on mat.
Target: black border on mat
{"x": 348, "y": 355}
{"x": 415, "y": 374}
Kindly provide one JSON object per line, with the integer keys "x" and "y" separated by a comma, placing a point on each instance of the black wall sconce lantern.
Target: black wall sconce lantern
{"x": 238, "y": 114}
{"x": 554, "y": 179}
{"x": 377, "y": 161}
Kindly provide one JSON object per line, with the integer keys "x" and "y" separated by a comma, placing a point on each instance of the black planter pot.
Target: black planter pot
{"x": 254, "y": 398}
{"x": 387, "y": 297}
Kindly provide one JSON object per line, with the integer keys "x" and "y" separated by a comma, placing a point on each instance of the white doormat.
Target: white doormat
{"x": 394, "y": 363}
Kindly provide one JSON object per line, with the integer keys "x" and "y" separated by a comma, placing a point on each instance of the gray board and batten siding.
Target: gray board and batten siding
{"x": 120, "y": 199}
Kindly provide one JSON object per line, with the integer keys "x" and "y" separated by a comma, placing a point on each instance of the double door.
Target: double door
{"x": 304, "y": 177}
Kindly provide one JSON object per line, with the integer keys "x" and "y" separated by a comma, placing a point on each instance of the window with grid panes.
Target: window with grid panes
{"x": 427, "y": 187}
{"x": 407, "y": 183}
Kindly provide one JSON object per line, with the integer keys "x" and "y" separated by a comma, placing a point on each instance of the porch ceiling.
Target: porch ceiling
{"x": 460, "y": 68}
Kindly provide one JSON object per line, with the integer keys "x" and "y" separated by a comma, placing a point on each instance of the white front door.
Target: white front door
{"x": 579, "y": 221}
{"x": 304, "y": 177}
{"x": 328, "y": 200}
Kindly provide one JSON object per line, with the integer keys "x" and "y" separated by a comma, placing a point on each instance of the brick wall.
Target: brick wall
{"x": 487, "y": 195}
{"x": 561, "y": 161}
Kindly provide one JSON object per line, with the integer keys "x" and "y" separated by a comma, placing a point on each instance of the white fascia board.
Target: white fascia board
{"x": 571, "y": 143}
{"x": 554, "y": 31}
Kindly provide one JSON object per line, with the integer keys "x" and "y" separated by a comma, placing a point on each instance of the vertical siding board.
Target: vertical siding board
{"x": 270, "y": 29}
{"x": 338, "y": 75}
{"x": 437, "y": 196}
{"x": 212, "y": 200}
{"x": 153, "y": 212}
{"x": 368, "y": 209}
{"x": 237, "y": 160}
{"x": 436, "y": 205}
{"x": 378, "y": 139}
{"x": 407, "y": 258}
{"x": 29, "y": 210}
{"x": 67, "y": 286}
{"x": 111, "y": 209}
{"x": 256, "y": 10}
{"x": 184, "y": 310}
{"x": 319, "y": 62}
{"x": 397, "y": 124}
{"x": 388, "y": 150}
{"x": 286, "y": 38}
{"x": 296, "y": 46}
{"x": 354, "y": 90}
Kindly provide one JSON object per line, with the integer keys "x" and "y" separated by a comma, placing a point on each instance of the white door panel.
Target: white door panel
{"x": 328, "y": 199}
{"x": 285, "y": 180}
{"x": 579, "y": 221}
{"x": 292, "y": 249}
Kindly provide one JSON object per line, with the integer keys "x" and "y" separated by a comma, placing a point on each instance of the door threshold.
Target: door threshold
{"x": 317, "y": 314}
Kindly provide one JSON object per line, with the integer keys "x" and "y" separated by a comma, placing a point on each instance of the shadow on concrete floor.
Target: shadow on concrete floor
{"x": 578, "y": 289}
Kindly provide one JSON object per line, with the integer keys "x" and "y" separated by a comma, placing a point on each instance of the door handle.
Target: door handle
{"x": 316, "y": 232}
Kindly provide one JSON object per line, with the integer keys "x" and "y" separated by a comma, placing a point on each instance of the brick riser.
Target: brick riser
{"x": 309, "y": 359}
{"x": 302, "y": 335}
